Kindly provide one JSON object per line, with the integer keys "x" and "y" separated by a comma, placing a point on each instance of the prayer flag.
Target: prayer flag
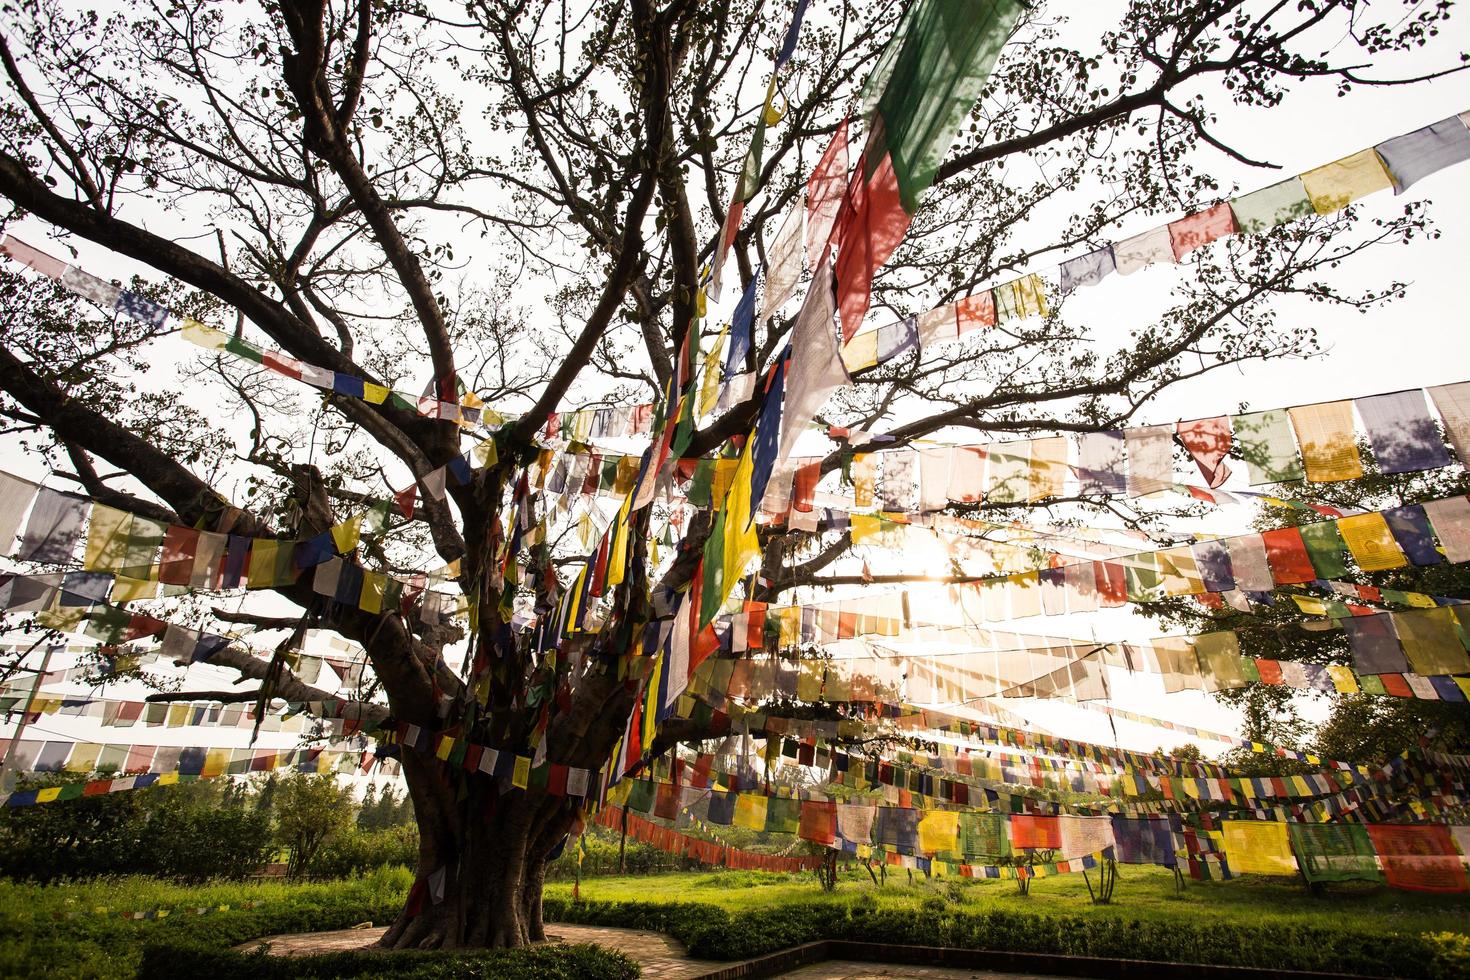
{"x": 1258, "y": 847}
{"x": 1333, "y": 852}
{"x": 1208, "y": 442}
{"x": 1150, "y": 459}
{"x": 1431, "y": 640}
{"x": 1267, "y": 446}
{"x": 1100, "y": 463}
{"x": 824, "y": 196}
{"x": 1200, "y": 228}
{"x": 1287, "y": 555}
{"x": 1412, "y": 157}
{"x": 14, "y": 248}
{"x": 1143, "y": 250}
{"x": 1325, "y": 432}
{"x": 1371, "y": 543}
{"x": 783, "y": 266}
{"x": 1268, "y": 207}
{"x": 1418, "y": 857}
{"x": 815, "y": 369}
{"x": 54, "y": 528}
{"x": 1088, "y": 270}
{"x": 1453, "y": 405}
{"x": 1336, "y": 185}
{"x": 1451, "y": 521}
{"x": 1402, "y": 435}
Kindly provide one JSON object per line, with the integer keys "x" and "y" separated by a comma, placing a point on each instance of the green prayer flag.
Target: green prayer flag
{"x": 927, "y": 81}
{"x": 1325, "y": 548}
{"x": 783, "y": 816}
{"x": 1334, "y": 852}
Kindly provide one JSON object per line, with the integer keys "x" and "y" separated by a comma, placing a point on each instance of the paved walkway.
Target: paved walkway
{"x": 661, "y": 957}
{"x": 851, "y": 970}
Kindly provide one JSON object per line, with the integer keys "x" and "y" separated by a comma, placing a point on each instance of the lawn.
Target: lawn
{"x": 1142, "y": 892}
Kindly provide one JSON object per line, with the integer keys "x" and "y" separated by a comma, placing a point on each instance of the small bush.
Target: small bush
{"x": 356, "y": 851}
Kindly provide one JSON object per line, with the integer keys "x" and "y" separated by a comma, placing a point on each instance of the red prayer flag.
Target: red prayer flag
{"x": 1419, "y": 857}
{"x": 870, "y": 226}
{"x": 176, "y": 563}
{"x": 405, "y": 500}
{"x": 818, "y": 822}
{"x": 804, "y": 486}
{"x": 1037, "y": 832}
{"x": 1287, "y": 555}
{"x": 1200, "y": 228}
{"x": 1208, "y": 442}
{"x": 1112, "y": 583}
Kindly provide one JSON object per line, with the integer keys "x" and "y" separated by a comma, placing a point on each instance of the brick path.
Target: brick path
{"x": 661, "y": 957}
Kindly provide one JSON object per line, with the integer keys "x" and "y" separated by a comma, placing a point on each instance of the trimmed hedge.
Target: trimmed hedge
{"x": 711, "y": 932}
{"x": 582, "y": 962}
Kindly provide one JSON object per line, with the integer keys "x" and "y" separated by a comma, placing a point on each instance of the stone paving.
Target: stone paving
{"x": 661, "y": 957}
{"x": 851, "y": 970}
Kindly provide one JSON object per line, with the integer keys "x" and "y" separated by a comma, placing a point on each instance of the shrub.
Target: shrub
{"x": 356, "y": 851}
{"x": 710, "y": 932}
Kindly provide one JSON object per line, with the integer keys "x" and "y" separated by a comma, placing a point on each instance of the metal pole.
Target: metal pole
{"x": 7, "y": 773}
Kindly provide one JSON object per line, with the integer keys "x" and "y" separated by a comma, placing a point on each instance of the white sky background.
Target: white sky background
{"x": 1418, "y": 341}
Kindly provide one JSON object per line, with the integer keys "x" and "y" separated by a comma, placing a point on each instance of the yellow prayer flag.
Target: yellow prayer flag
{"x": 374, "y": 394}
{"x": 346, "y": 535}
{"x": 1371, "y": 542}
{"x": 125, "y": 589}
{"x": 939, "y": 831}
{"x": 262, "y": 570}
{"x": 1343, "y": 679}
{"x": 1258, "y": 847}
{"x": 1332, "y": 187}
{"x": 1325, "y": 433}
{"x": 750, "y": 811}
{"x": 64, "y": 619}
{"x": 617, "y": 559}
{"x": 741, "y": 543}
{"x": 374, "y": 586}
{"x": 48, "y": 794}
{"x": 864, "y": 479}
{"x": 486, "y": 454}
{"x": 215, "y": 762}
{"x": 864, "y": 526}
{"x": 861, "y": 352}
{"x": 83, "y": 757}
{"x": 204, "y": 335}
{"x": 107, "y": 539}
{"x": 445, "y": 746}
{"x": 521, "y": 776}
{"x": 1419, "y": 600}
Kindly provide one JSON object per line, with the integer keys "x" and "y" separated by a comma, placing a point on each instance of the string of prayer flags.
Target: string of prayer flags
{"x": 923, "y": 86}
{"x": 1398, "y": 163}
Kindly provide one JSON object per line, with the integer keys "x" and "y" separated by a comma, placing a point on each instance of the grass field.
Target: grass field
{"x": 1142, "y": 892}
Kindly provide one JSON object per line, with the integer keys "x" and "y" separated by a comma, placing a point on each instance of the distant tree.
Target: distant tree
{"x": 309, "y": 809}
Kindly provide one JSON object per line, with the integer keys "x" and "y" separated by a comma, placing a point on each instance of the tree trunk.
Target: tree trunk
{"x": 492, "y": 851}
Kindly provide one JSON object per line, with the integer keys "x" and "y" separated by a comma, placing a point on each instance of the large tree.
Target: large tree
{"x": 519, "y": 198}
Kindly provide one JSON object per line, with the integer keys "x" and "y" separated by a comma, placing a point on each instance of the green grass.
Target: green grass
{"x": 57, "y": 927}
{"x": 1142, "y": 892}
